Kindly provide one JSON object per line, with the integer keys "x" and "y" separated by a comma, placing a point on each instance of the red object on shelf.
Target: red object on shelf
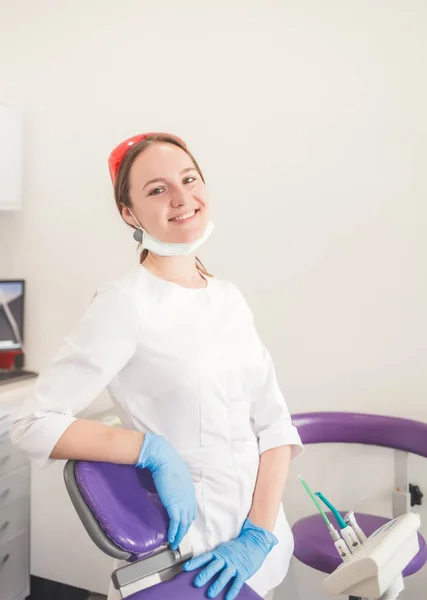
{"x": 9, "y": 359}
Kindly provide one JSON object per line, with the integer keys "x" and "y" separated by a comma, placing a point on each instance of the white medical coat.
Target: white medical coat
{"x": 186, "y": 364}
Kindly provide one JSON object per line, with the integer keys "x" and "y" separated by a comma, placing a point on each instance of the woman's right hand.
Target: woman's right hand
{"x": 173, "y": 483}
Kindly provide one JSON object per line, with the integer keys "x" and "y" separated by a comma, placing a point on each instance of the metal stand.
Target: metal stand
{"x": 401, "y": 495}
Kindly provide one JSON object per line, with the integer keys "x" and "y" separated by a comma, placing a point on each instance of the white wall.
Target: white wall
{"x": 310, "y": 122}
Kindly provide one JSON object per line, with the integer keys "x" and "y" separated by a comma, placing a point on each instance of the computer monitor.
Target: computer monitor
{"x": 12, "y": 295}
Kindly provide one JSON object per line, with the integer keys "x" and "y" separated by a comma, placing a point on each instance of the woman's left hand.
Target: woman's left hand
{"x": 239, "y": 559}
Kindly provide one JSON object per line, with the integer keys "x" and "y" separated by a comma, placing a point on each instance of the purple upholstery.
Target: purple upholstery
{"x": 128, "y": 509}
{"x": 314, "y": 547}
{"x": 182, "y": 588}
{"x": 355, "y": 428}
{"x": 125, "y": 503}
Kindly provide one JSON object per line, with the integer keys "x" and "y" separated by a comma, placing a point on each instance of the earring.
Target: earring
{"x": 137, "y": 235}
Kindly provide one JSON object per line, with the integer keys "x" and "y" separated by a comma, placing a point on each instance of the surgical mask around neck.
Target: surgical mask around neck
{"x": 167, "y": 248}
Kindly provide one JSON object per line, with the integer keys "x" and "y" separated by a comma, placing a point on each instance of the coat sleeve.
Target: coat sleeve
{"x": 270, "y": 418}
{"x": 88, "y": 360}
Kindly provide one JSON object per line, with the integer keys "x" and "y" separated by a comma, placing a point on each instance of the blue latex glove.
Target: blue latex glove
{"x": 173, "y": 484}
{"x": 239, "y": 559}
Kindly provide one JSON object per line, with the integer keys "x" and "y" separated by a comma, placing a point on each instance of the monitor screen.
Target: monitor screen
{"x": 11, "y": 315}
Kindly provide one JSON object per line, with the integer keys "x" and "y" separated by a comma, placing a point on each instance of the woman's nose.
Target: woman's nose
{"x": 179, "y": 198}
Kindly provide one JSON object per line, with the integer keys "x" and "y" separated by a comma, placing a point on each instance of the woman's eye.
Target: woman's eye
{"x": 156, "y": 191}
{"x": 189, "y": 179}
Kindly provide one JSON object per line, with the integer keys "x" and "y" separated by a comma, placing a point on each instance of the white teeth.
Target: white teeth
{"x": 186, "y": 216}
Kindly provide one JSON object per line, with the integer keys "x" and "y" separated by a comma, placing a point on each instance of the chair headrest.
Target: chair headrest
{"x": 125, "y": 503}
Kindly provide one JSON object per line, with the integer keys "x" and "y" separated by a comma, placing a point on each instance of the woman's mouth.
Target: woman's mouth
{"x": 185, "y": 217}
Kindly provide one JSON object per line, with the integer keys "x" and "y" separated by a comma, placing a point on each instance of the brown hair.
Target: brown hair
{"x": 121, "y": 187}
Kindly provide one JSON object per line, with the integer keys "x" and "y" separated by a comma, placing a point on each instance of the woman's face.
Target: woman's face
{"x": 169, "y": 198}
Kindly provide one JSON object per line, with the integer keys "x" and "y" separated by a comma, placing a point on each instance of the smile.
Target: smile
{"x": 186, "y": 216}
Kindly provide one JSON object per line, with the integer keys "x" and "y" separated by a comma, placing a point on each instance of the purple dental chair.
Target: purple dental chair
{"x": 313, "y": 546}
{"x": 122, "y": 513}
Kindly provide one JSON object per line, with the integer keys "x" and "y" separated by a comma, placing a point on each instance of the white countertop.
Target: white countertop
{"x": 15, "y": 388}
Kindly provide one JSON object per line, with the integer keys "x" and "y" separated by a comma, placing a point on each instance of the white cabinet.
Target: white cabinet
{"x": 14, "y": 568}
{"x": 14, "y": 505}
{"x": 60, "y": 548}
{"x": 11, "y": 158}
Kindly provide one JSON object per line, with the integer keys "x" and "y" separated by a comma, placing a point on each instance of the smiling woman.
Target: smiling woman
{"x": 193, "y": 384}
{"x": 159, "y": 183}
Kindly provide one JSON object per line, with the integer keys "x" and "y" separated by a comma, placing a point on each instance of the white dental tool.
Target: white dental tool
{"x": 350, "y": 519}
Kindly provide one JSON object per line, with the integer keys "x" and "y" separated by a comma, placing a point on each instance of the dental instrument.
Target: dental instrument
{"x": 339, "y": 543}
{"x": 350, "y": 519}
{"x": 346, "y": 530}
{"x": 373, "y": 571}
